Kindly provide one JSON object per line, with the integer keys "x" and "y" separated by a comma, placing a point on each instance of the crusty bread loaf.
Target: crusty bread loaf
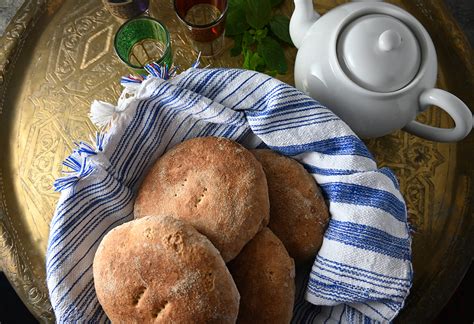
{"x": 160, "y": 269}
{"x": 298, "y": 212}
{"x": 212, "y": 183}
{"x": 265, "y": 277}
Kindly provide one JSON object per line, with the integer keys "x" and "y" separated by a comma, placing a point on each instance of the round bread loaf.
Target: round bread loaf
{"x": 214, "y": 184}
{"x": 298, "y": 212}
{"x": 160, "y": 269}
{"x": 265, "y": 277}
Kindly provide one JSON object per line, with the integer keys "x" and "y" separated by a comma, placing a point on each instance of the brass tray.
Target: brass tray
{"x": 50, "y": 73}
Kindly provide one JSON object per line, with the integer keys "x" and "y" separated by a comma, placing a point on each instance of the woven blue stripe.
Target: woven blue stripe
{"x": 276, "y": 98}
{"x": 364, "y": 273}
{"x": 250, "y": 93}
{"x": 187, "y": 81}
{"x": 347, "y": 294}
{"x": 66, "y": 293}
{"x": 389, "y": 173}
{"x": 284, "y": 93}
{"x": 91, "y": 206}
{"x": 133, "y": 124}
{"x": 335, "y": 297}
{"x": 368, "y": 238}
{"x": 78, "y": 300}
{"x": 300, "y": 125}
{"x": 87, "y": 298}
{"x": 262, "y": 103}
{"x": 327, "y": 172}
{"x": 239, "y": 87}
{"x": 97, "y": 314}
{"x": 357, "y": 289}
{"x": 143, "y": 134}
{"x": 69, "y": 225}
{"x": 85, "y": 194}
{"x": 343, "y": 145}
{"x": 91, "y": 224}
{"x": 90, "y": 298}
{"x": 366, "y": 320}
{"x": 148, "y": 142}
{"x": 198, "y": 84}
{"x": 300, "y": 304}
{"x": 327, "y": 268}
{"x": 365, "y": 196}
{"x": 168, "y": 121}
{"x": 296, "y": 109}
{"x": 204, "y": 82}
{"x": 292, "y": 121}
{"x": 240, "y": 137}
{"x": 342, "y": 313}
{"x": 307, "y": 313}
{"x": 86, "y": 253}
{"x": 222, "y": 83}
{"x": 329, "y": 316}
{"x": 112, "y": 206}
{"x": 285, "y": 108}
{"x": 312, "y": 313}
{"x": 184, "y": 121}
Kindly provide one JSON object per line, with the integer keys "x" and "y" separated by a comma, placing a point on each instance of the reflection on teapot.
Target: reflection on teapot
{"x": 375, "y": 66}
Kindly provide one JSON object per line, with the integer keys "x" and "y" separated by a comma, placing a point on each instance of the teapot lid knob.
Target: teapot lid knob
{"x": 389, "y": 40}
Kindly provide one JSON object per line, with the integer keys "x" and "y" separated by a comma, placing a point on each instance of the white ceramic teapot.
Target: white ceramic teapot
{"x": 375, "y": 66}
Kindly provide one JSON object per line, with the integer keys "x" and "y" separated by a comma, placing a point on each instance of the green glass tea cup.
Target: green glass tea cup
{"x": 143, "y": 40}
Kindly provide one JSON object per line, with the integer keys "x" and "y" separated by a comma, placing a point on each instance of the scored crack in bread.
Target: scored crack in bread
{"x": 160, "y": 269}
{"x": 265, "y": 277}
{"x": 212, "y": 183}
{"x": 298, "y": 212}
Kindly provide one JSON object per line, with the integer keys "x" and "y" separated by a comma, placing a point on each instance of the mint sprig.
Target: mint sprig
{"x": 258, "y": 35}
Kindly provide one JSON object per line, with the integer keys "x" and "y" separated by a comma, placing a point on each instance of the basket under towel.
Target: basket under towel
{"x": 363, "y": 272}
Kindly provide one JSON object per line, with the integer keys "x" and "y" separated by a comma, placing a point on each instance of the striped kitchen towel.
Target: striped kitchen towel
{"x": 363, "y": 271}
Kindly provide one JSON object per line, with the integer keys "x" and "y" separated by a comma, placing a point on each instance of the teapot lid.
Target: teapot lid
{"x": 379, "y": 53}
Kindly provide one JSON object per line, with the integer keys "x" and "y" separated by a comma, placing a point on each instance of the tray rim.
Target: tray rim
{"x": 13, "y": 261}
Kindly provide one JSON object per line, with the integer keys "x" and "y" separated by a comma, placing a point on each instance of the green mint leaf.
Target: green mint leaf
{"x": 261, "y": 34}
{"x": 273, "y": 55}
{"x": 280, "y": 26}
{"x": 235, "y": 4}
{"x": 247, "y": 58}
{"x": 258, "y": 13}
{"x": 247, "y": 40}
{"x": 255, "y": 61}
{"x": 276, "y": 2}
{"x": 235, "y": 23}
{"x": 237, "y": 49}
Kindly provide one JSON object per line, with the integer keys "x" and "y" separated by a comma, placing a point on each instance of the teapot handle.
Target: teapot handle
{"x": 451, "y": 104}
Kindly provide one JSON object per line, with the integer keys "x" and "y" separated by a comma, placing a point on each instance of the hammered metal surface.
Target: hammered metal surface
{"x": 68, "y": 61}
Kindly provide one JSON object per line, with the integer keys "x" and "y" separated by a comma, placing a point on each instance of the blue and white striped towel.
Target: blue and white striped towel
{"x": 361, "y": 274}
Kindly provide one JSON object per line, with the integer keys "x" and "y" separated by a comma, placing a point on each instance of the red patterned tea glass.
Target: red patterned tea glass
{"x": 205, "y": 21}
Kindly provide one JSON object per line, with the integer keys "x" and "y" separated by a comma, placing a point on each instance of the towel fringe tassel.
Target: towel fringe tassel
{"x": 79, "y": 162}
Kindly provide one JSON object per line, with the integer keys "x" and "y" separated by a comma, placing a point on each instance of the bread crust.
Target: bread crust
{"x": 160, "y": 269}
{"x": 298, "y": 212}
{"x": 212, "y": 183}
{"x": 265, "y": 277}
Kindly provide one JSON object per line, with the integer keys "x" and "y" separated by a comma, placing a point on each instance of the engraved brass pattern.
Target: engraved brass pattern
{"x": 48, "y": 82}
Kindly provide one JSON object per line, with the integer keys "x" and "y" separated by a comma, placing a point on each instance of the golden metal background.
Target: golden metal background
{"x": 50, "y": 74}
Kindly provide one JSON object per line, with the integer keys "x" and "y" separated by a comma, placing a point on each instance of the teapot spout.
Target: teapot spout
{"x": 302, "y": 19}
